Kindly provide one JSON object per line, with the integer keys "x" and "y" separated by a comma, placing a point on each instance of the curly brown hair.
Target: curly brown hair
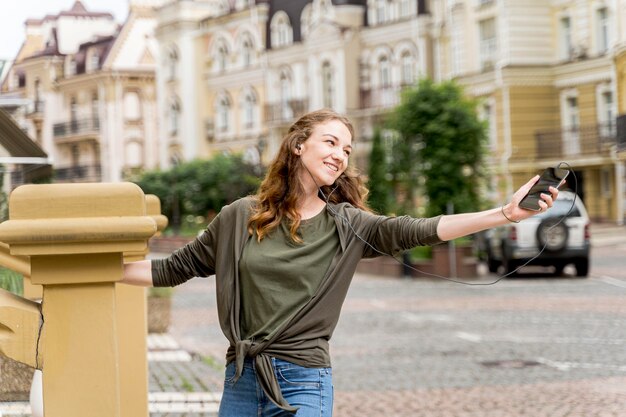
{"x": 281, "y": 188}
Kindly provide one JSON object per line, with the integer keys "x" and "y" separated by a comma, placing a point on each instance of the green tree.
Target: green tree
{"x": 441, "y": 147}
{"x": 200, "y": 187}
{"x": 378, "y": 184}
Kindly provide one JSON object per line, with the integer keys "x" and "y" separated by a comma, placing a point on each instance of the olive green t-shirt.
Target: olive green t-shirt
{"x": 279, "y": 276}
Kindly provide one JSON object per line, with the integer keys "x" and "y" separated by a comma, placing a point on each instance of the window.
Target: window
{"x": 247, "y": 51}
{"x": 70, "y": 68}
{"x": 571, "y": 125}
{"x": 281, "y": 32}
{"x": 132, "y": 106}
{"x": 95, "y": 112}
{"x": 381, "y": 11}
{"x": 565, "y": 38}
{"x": 405, "y": 8}
{"x": 603, "y": 32}
{"x": 488, "y": 43}
{"x": 606, "y": 114}
{"x": 94, "y": 61}
{"x": 285, "y": 96}
{"x": 174, "y": 116}
{"x": 306, "y": 20}
{"x": 73, "y": 110}
{"x": 249, "y": 110}
{"x": 223, "y": 114}
{"x": 134, "y": 153}
{"x": 384, "y": 70}
{"x": 407, "y": 68}
{"x": 488, "y": 115}
{"x": 221, "y": 60}
{"x": 172, "y": 63}
{"x": 328, "y": 87}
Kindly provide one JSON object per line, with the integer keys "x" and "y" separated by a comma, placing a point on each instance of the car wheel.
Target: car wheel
{"x": 493, "y": 265}
{"x": 552, "y": 234}
{"x": 582, "y": 267}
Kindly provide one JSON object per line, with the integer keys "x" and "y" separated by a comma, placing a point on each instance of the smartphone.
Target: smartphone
{"x": 554, "y": 177}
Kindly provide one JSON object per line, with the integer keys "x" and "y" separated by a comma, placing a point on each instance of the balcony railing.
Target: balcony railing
{"x": 77, "y": 127}
{"x": 36, "y": 107}
{"x": 286, "y": 111}
{"x": 621, "y": 132}
{"x": 588, "y": 140}
{"x": 78, "y": 173}
{"x": 382, "y": 97}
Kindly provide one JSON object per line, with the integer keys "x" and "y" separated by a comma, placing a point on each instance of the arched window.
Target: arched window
{"x": 306, "y": 20}
{"x": 134, "y": 154}
{"x": 384, "y": 71}
{"x": 221, "y": 58}
{"x": 172, "y": 63}
{"x": 132, "y": 106}
{"x": 328, "y": 85}
{"x": 285, "y": 95}
{"x": 407, "y": 68}
{"x": 249, "y": 109}
{"x": 247, "y": 51}
{"x": 281, "y": 32}
{"x": 223, "y": 109}
{"x": 382, "y": 11}
{"x": 174, "y": 116}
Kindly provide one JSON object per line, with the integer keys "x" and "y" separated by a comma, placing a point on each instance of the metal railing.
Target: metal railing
{"x": 78, "y": 173}
{"x": 77, "y": 127}
{"x": 286, "y": 111}
{"x": 621, "y": 132}
{"x": 381, "y": 97}
{"x": 587, "y": 140}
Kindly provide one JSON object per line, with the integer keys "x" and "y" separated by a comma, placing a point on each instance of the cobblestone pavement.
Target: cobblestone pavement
{"x": 528, "y": 346}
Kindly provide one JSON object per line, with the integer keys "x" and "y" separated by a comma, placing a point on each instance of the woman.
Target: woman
{"x": 283, "y": 261}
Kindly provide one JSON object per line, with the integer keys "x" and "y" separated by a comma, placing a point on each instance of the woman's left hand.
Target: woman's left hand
{"x": 514, "y": 212}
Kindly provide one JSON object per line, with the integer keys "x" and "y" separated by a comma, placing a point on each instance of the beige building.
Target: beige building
{"x": 235, "y": 74}
{"x": 90, "y": 87}
{"x": 545, "y": 73}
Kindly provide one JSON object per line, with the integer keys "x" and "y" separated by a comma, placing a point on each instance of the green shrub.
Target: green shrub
{"x": 11, "y": 281}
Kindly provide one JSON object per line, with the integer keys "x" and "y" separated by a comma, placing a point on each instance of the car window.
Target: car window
{"x": 560, "y": 208}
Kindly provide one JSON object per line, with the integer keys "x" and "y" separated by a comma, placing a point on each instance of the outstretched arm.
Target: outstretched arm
{"x": 138, "y": 273}
{"x": 458, "y": 225}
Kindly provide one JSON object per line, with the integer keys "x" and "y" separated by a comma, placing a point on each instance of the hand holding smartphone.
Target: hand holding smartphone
{"x": 554, "y": 177}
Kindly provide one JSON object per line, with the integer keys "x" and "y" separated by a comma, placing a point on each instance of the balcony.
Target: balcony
{"x": 286, "y": 112}
{"x": 35, "y": 109}
{"x": 581, "y": 141}
{"x": 78, "y": 173}
{"x": 77, "y": 129}
{"x": 382, "y": 98}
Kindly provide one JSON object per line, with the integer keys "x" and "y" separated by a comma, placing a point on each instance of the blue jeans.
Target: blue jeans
{"x": 309, "y": 389}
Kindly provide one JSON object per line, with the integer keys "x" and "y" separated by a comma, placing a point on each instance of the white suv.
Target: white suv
{"x": 567, "y": 242}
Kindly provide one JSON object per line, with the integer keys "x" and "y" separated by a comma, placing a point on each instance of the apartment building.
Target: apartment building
{"x": 235, "y": 74}
{"x": 90, "y": 87}
{"x": 544, "y": 71}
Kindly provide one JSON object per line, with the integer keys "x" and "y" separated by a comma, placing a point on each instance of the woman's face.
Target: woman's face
{"x": 325, "y": 154}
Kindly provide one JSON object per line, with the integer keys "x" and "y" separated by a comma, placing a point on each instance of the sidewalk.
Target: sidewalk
{"x": 180, "y": 384}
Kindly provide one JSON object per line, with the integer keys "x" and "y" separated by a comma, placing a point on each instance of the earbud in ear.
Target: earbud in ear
{"x": 298, "y": 146}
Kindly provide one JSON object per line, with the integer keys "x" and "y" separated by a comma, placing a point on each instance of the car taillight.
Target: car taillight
{"x": 513, "y": 233}
{"x": 587, "y": 232}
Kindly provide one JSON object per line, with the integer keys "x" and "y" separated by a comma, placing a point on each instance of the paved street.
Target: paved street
{"x": 527, "y": 346}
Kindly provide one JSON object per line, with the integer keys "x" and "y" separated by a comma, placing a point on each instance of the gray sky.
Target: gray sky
{"x": 16, "y": 12}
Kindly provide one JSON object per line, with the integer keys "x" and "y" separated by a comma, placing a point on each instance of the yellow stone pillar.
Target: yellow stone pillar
{"x": 132, "y": 331}
{"x": 76, "y": 235}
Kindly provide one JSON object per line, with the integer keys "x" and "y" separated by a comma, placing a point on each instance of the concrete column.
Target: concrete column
{"x": 133, "y": 331}
{"x": 76, "y": 236}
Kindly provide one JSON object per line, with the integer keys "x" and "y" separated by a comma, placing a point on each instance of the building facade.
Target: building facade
{"x": 90, "y": 87}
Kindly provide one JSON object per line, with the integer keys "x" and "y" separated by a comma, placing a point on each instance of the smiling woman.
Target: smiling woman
{"x": 283, "y": 261}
